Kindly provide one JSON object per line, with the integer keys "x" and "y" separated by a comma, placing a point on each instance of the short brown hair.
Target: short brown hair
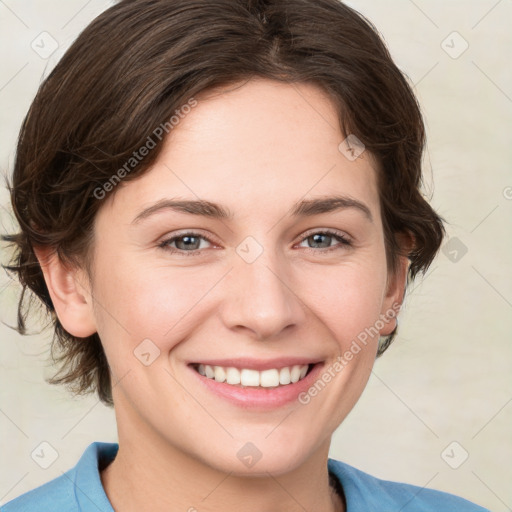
{"x": 140, "y": 61}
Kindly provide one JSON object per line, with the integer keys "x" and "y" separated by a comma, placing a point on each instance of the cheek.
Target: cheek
{"x": 346, "y": 298}
{"x": 136, "y": 303}
{"x": 165, "y": 304}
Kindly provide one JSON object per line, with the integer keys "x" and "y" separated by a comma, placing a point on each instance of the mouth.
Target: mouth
{"x": 249, "y": 377}
{"x": 257, "y": 385}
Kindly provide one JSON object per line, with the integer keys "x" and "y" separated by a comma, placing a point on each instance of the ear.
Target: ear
{"x": 396, "y": 285}
{"x": 69, "y": 291}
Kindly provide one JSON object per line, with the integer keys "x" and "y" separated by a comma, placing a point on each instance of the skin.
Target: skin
{"x": 256, "y": 150}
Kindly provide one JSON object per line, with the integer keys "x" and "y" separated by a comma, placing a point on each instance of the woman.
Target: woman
{"x": 219, "y": 206}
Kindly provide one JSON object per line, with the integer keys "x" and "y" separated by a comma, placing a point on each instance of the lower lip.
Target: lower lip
{"x": 259, "y": 397}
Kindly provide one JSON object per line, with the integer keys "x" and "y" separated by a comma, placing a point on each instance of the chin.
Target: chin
{"x": 258, "y": 455}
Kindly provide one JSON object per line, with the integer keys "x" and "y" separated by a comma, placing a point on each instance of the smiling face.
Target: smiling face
{"x": 288, "y": 269}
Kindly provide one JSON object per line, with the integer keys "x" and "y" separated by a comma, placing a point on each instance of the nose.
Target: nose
{"x": 260, "y": 298}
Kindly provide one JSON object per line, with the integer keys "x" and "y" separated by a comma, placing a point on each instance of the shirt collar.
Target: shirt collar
{"x": 89, "y": 491}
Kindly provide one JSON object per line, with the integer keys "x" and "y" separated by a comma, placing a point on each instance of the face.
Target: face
{"x": 278, "y": 282}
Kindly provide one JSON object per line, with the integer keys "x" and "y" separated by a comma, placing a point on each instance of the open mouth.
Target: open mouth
{"x": 245, "y": 377}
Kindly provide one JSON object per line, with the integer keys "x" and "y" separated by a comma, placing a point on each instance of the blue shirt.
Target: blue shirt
{"x": 80, "y": 490}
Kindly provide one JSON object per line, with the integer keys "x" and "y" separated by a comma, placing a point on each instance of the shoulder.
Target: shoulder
{"x": 58, "y": 494}
{"x": 368, "y": 493}
{"x": 76, "y": 490}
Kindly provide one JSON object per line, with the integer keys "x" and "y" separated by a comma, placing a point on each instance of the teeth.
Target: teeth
{"x": 269, "y": 378}
{"x": 284, "y": 376}
{"x": 232, "y": 376}
{"x": 220, "y": 374}
{"x": 250, "y": 377}
{"x": 295, "y": 373}
{"x": 266, "y": 378}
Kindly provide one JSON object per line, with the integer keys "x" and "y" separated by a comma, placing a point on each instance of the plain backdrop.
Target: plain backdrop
{"x": 437, "y": 411}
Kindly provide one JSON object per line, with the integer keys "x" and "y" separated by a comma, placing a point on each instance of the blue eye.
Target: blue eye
{"x": 189, "y": 243}
{"x": 319, "y": 237}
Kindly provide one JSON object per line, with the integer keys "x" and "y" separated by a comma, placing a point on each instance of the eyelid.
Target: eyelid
{"x": 345, "y": 241}
{"x": 327, "y": 231}
{"x": 187, "y": 232}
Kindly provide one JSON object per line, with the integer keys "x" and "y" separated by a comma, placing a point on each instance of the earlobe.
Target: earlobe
{"x": 69, "y": 291}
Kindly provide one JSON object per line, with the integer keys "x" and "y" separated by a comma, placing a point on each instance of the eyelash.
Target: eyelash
{"x": 344, "y": 242}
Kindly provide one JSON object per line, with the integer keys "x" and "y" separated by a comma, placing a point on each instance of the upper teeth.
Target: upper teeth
{"x": 266, "y": 378}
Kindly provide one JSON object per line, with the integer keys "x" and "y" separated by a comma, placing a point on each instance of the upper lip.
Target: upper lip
{"x": 257, "y": 364}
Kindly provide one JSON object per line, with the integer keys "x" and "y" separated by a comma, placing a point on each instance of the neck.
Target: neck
{"x": 132, "y": 490}
{"x": 150, "y": 473}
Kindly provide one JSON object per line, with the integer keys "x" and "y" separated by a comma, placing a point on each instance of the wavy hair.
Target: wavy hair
{"x": 140, "y": 61}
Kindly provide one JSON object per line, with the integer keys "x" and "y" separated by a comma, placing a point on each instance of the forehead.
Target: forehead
{"x": 262, "y": 144}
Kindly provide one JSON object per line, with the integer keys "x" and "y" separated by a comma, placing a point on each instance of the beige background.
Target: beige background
{"x": 447, "y": 377}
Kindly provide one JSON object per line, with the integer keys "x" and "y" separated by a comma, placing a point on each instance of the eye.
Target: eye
{"x": 189, "y": 243}
{"x": 185, "y": 243}
{"x": 324, "y": 239}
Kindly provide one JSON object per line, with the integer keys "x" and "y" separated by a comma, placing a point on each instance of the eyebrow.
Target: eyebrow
{"x": 305, "y": 208}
